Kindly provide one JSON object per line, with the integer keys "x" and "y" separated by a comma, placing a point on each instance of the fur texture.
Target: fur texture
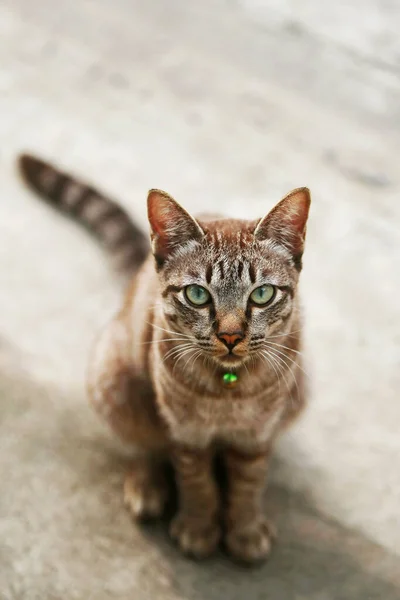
{"x": 156, "y": 373}
{"x": 102, "y": 216}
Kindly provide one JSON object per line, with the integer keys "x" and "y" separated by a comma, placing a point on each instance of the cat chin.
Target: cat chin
{"x": 230, "y": 361}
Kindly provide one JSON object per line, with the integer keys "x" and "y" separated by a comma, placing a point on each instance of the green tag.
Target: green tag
{"x": 229, "y": 378}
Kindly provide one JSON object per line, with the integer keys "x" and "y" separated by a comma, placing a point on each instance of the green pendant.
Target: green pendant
{"x": 230, "y": 379}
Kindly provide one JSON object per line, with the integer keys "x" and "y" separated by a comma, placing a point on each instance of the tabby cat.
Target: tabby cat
{"x": 202, "y": 359}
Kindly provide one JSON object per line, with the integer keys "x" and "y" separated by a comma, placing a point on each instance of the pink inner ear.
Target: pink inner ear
{"x": 171, "y": 225}
{"x": 160, "y": 217}
{"x": 286, "y": 223}
{"x": 158, "y": 205}
{"x": 294, "y": 217}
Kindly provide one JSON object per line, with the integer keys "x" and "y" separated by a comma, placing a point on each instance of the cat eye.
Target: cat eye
{"x": 262, "y": 295}
{"x": 197, "y": 295}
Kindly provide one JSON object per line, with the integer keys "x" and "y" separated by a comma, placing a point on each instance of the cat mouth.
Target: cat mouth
{"x": 231, "y": 358}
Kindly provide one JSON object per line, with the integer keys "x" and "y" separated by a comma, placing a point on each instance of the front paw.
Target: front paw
{"x": 196, "y": 539}
{"x": 250, "y": 543}
{"x": 145, "y": 494}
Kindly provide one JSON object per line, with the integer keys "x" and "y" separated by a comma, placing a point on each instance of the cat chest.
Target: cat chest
{"x": 203, "y": 420}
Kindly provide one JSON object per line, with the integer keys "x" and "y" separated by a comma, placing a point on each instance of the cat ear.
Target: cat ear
{"x": 171, "y": 226}
{"x": 286, "y": 223}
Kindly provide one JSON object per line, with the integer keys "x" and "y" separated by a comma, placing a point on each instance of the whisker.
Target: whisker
{"x": 180, "y": 346}
{"x": 247, "y": 370}
{"x": 291, "y": 360}
{"x": 182, "y": 355}
{"x": 270, "y": 337}
{"x": 278, "y": 372}
{"x": 290, "y": 370}
{"x": 285, "y": 347}
{"x": 159, "y": 341}
{"x": 257, "y": 342}
{"x": 176, "y": 350}
{"x": 278, "y": 362}
{"x": 183, "y": 335}
{"x": 195, "y": 357}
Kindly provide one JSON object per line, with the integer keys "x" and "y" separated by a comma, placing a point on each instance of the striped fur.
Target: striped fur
{"x": 176, "y": 407}
{"x": 156, "y": 372}
{"x": 101, "y": 216}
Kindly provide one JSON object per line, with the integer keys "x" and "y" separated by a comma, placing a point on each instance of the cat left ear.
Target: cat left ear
{"x": 286, "y": 223}
{"x": 171, "y": 226}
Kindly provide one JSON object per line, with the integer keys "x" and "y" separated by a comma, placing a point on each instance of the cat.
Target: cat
{"x": 203, "y": 357}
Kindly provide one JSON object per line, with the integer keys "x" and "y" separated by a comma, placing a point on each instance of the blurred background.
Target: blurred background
{"x": 228, "y": 103}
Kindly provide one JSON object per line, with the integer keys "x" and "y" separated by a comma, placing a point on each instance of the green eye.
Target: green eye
{"x": 263, "y": 294}
{"x": 197, "y": 295}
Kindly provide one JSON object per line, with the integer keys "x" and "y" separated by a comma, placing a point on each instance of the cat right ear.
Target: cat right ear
{"x": 286, "y": 223}
{"x": 171, "y": 226}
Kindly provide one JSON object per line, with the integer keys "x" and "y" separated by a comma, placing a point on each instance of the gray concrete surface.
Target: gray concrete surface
{"x": 219, "y": 102}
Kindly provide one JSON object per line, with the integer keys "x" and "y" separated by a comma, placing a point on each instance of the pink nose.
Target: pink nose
{"x": 230, "y": 339}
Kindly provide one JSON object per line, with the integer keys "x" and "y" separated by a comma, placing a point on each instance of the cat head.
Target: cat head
{"x": 228, "y": 284}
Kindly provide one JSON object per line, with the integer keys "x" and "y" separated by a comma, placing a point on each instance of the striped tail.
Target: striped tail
{"x": 100, "y": 215}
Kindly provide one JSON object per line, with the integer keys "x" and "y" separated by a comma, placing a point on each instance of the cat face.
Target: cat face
{"x": 228, "y": 285}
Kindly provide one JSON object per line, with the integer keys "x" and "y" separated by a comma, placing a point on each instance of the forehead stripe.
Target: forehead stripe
{"x": 252, "y": 273}
{"x": 220, "y": 265}
{"x": 170, "y": 289}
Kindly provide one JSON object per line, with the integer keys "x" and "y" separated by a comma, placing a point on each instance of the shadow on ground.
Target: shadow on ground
{"x": 64, "y": 530}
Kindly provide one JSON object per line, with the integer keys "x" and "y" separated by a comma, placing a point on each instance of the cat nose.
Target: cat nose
{"x": 230, "y": 339}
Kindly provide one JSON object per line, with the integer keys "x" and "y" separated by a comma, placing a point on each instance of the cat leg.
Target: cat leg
{"x": 146, "y": 488}
{"x": 248, "y": 533}
{"x": 196, "y": 528}
{"x": 125, "y": 401}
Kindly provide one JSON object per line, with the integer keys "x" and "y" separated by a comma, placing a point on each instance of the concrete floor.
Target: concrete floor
{"x": 218, "y": 102}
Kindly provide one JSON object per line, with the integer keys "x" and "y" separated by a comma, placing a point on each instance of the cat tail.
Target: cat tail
{"x": 103, "y": 217}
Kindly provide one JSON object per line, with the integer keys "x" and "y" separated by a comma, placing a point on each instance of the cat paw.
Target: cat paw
{"x": 195, "y": 539}
{"x": 145, "y": 496}
{"x": 252, "y": 542}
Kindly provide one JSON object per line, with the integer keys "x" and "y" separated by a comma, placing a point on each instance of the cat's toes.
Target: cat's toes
{"x": 252, "y": 542}
{"x": 195, "y": 539}
{"x": 145, "y": 497}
